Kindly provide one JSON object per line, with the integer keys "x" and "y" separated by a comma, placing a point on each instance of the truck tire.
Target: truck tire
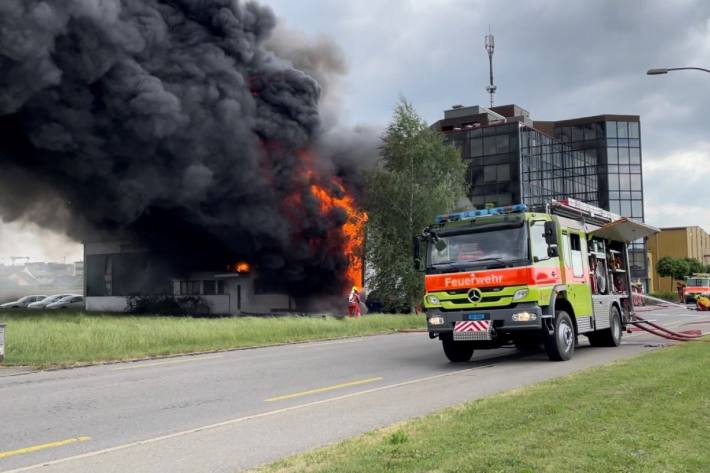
{"x": 610, "y": 337}
{"x": 456, "y": 352}
{"x": 560, "y": 344}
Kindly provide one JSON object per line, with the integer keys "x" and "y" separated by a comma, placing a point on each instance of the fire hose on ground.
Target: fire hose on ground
{"x": 660, "y": 331}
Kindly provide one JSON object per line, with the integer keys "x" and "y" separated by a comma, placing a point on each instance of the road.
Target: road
{"x": 231, "y": 411}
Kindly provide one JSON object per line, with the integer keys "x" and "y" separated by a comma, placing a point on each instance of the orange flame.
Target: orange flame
{"x": 353, "y": 229}
{"x": 240, "y": 267}
{"x": 331, "y": 194}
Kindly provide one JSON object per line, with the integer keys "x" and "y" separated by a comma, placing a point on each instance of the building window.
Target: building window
{"x": 622, "y": 130}
{"x": 190, "y": 288}
{"x": 209, "y": 287}
{"x": 477, "y": 147}
{"x": 634, "y": 130}
{"x": 577, "y": 260}
{"x": 613, "y": 182}
{"x": 611, "y": 156}
{"x": 611, "y": 129}
{"x": 489, "y": 174}
{"x": 623, "y": 155}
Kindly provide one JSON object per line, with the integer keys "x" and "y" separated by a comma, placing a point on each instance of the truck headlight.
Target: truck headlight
{"x": 433, "y": 300}
{"x": 524, "y": 317}
{"x": 520, "y": 294}
{"x": 436, "y": 320}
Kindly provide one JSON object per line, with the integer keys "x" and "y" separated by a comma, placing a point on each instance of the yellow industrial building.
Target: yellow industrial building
{"x": 676, "y": 242}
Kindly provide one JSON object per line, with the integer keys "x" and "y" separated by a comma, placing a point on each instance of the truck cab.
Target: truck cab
{"x": 528, "y": 277}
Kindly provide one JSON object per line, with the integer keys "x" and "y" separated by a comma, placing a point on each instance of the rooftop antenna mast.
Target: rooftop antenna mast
{"x": 490, "y": 46}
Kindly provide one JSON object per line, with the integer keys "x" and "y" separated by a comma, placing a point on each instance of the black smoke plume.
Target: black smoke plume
{"x": 168, "y": 122}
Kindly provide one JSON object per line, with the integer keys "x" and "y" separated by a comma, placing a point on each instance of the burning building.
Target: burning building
{"x": 174, "y": 140}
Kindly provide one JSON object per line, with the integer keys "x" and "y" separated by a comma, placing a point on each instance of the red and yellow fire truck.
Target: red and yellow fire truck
{"x": 696, "y": 285}
{"x": 512, "y": 275}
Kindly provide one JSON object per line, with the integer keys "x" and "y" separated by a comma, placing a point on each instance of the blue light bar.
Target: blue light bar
{"x": 472, "y": 214}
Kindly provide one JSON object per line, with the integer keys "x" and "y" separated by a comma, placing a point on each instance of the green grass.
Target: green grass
{"x": 60, "y": 339}
{"x": 646, "y": 414}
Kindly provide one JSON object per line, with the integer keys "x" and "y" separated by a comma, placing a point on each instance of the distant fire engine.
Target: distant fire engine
{"x": 696, "y": 285}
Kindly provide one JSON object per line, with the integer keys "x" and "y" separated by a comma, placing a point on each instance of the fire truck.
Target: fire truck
{"x": 696, "y": 285}
{"x": 528, "y": 277}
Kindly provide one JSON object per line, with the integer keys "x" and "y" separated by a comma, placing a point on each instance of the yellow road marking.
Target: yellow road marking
{"x": 44, "y": 446}
{"x": 169, "y": 362}
{"x": 324, "y": 389}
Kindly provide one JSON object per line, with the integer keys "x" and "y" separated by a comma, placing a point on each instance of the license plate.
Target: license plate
{"x": 476, "y": 317}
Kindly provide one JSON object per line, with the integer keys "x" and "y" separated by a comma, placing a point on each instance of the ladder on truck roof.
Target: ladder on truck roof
{"x": 580, "y": 211}
{"x": 611, "y": 226}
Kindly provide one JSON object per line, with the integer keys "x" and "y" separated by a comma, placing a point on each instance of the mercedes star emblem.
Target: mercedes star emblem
{"x": 474, "y": 295}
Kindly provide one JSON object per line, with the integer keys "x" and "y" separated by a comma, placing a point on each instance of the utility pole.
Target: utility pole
{"x": 490, "y": 46}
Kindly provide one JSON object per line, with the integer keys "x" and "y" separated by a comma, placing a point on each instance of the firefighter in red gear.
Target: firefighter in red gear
{"x": 354, "y": 303}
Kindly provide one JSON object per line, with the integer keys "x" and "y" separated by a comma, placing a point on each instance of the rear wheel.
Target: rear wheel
{"x": 456, "y": 352}
{"x": 610, "y": 337}
{"x": 560, "y": 344}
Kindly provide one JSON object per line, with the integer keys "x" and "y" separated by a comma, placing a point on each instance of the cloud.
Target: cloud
{"x": 675, "y": 186}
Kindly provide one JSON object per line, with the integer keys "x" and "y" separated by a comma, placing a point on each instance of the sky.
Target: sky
{"x": 558, "y": 59}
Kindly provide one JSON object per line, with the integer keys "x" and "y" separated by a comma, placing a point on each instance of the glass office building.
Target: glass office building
{"x": 616, "y": 142}
{"x": 512, "y": 159}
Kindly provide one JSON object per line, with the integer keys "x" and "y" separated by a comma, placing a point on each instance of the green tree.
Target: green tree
{"x": 695, "y": 266}
{"x": 418, "y": 177}
{"x": 681, "y": 269}
{"x": 664, "y": 268}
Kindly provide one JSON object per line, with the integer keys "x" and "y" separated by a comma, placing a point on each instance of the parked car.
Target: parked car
{"x": 22, "y": 302}
{"x": 47, "y": 300}
{"x": 70, "y": 302}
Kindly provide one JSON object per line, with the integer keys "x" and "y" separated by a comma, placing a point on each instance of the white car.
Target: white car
{"x": 22, "y": 302}
{"x": 70, "y": 302}
{"x": 46, "y": 301}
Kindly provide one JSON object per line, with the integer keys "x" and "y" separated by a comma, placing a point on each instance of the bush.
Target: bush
{"x": 168, "y": 305}
{"x": 666, "y": 296}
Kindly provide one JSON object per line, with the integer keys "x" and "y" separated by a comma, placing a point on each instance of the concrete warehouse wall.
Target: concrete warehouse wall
{"x": 106, "y": 304}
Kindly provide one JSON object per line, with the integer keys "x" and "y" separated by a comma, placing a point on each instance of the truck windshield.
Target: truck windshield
{"x": 496, "y": 247}
{"x": 698, "y": 282}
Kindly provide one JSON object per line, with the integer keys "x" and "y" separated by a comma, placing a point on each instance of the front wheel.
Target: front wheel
{"x": 456, "y": 352}
{"x": 610, "y": 337}
{"x": 560, "y": 344}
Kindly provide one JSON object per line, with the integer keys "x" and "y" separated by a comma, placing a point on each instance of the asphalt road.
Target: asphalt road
{"x": 231, "y": 411}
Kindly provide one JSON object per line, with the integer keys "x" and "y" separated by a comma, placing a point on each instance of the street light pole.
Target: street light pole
{"x": 665, "y": 70}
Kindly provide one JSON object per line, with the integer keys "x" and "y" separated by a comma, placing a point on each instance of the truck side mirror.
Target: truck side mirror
{"x": 550, "y": 233}
{"x": 417, "y": 242}
{"x": 440, "y": 245}
{"x": 418, "y": 265}
{"x": 552, "y": 251}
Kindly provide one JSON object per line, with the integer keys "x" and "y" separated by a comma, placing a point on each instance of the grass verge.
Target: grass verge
{"x": 61, "y": 339}
{"x": 645, "y": 414}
